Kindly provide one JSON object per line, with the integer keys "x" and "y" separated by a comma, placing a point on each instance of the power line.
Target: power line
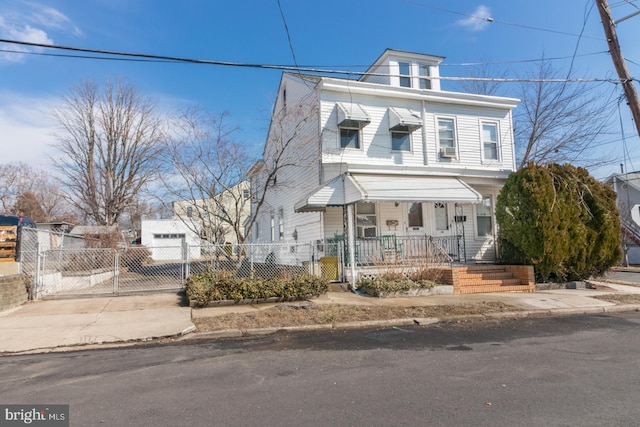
{"x": 286, "y": 28}
{"x": 161, "y": 58}
{"x": 497, "y": 21}
{"x": 333, "y": 66}
{"x": 517, "y": 61}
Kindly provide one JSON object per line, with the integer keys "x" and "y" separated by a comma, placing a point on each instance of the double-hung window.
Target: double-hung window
{"x": 351, "y": 119}
{"x": 483, "y": 217}
{"x": 273, "y": 228}
{"x": 280, "y": 224}
{"x": 349, "y": 137}
{"x": 490, "y": 141}
{"x": 401, "y": 139}
{"x": 425, "y": 71}
{"x": 447, "y": 137}
{"x": 366, "y": 220}
{"x": 405, "y": 74}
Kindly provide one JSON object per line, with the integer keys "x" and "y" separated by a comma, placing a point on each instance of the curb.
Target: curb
{"x": 424, "y": 321}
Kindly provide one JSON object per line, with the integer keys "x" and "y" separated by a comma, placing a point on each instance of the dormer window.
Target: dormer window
{"x": 405, "y": 74}
{"x": 425, "y": 71}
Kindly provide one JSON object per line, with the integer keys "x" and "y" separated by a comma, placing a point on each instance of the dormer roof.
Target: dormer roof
{"x": 383, "y": 60}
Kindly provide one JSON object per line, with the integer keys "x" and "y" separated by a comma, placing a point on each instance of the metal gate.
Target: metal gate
{"x": 85, "y": 271}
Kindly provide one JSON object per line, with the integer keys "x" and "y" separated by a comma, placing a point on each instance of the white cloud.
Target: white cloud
{"x": 27, "y": 129}
{"x": 479, "y": 19}
{"x": 51, "y": 18}
{"x": 31, "y": 22}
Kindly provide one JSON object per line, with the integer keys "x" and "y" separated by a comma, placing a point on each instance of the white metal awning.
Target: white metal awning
{"x": 346, "y": 189}
{"x": 404, "y": 118}
{"x": 352, "y": 115}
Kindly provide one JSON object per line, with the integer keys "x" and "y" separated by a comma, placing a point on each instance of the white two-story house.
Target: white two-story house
{"x": 388, "y": 164}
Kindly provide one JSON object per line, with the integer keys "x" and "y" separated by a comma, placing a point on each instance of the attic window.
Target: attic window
{"x": 405, "y": 74}
{"x": 425, "y": 71}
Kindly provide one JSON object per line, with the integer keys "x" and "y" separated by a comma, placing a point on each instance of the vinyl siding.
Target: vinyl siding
{"x": 301, "y": 175}
{"x": 375, "y": 138}
{"x": 468, "y": 129}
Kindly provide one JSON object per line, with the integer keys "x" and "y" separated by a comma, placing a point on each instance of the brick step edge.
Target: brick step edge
{"x": 491, "y": 289}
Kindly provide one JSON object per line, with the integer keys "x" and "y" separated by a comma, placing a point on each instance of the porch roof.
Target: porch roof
{"x": 351, "y": 188}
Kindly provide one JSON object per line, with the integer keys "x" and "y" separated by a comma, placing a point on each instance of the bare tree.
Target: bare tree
{"x": 14, "y": 180}
{"x": 558, "y": 122}
{"x": 32, "y": 191}
{"x": 204, "y": 175}
{"x": 108, "y": 144}
{"x": 484, "y": 79}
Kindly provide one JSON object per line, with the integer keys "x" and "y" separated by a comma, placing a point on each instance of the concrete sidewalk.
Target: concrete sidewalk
{"x": 55, "y": 324}
{"x": 42, "y": 325}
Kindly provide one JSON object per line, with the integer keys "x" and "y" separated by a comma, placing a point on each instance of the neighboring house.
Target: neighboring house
{"x": 168, "y": 239}
{"x": 55, "y": 226}
{"x": 216, "y": 220}
{"x": 389, "y": 164}
{"x": 627, "y": 188}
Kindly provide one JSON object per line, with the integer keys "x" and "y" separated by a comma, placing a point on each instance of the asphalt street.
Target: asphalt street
{"x": 572, "y": 370}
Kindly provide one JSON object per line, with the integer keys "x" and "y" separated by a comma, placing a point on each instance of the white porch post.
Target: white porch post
{"x": 351, "y": 244}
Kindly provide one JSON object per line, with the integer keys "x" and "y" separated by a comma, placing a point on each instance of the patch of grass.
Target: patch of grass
{"x": 290, "y": 315}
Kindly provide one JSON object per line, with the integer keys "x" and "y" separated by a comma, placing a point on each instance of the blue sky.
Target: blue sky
{"x": 334, "y": 34}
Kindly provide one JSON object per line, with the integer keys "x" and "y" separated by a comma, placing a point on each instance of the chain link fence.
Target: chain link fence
{"x": 59, "y": 264}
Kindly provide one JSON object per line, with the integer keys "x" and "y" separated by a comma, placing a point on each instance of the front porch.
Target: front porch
{"x": 442, "y": 257}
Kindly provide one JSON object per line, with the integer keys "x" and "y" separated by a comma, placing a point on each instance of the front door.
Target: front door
{"x": 440, "y": 222}
{"x": 415, "y": 219}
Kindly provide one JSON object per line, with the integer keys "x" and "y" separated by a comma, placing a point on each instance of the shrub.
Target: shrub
{"x": 209, "y": 286}
{"x": 379, "y": 285}
{"x": 560, "y": 220}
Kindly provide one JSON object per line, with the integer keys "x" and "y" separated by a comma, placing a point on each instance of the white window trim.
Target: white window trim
{"x": 408, "y": 132}
{"x": 361, "y": 148}
{"x": 422, "y": 78}
{"x": 281, "y": 224}
{"x": 409, "y": 76}
{"x": 455, "y": 139}
{"x": 414, "y": 73}
{"x": 498, "y": 142}
{"x": 273, "y": 228}
{"x": 375, "y": 226}
{"x": 492, "y": 216}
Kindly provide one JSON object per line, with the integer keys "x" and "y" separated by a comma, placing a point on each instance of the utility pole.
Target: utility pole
{"x": 618, "y": 61}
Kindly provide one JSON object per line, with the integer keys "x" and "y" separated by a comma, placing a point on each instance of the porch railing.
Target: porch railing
{"x": 391, "y": 249}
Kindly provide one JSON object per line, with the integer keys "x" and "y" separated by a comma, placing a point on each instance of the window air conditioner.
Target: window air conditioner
{"x": 366, "y": 231}
{"x": 449, "y": 152}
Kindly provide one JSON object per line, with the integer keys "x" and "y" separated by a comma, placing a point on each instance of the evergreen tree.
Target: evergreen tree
{"x": 559, "y": 219}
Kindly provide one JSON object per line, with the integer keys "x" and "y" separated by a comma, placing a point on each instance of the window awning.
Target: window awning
{"x": 404, "y": 118}
{"x": 346, "y": 189}
{"x": 352, "y": 115}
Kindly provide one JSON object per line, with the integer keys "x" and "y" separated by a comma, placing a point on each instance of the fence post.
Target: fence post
{"x": 116, "y": 272}
{"x": 39, "y": 279}
{"x": 187, "y": 265}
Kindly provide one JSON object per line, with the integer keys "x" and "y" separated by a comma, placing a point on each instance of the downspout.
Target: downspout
{"x": 423, "y": 117}
{"x": 351, "y": 243}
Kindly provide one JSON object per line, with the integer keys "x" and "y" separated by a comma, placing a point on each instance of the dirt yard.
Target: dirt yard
{"x": 310, "y": 314}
